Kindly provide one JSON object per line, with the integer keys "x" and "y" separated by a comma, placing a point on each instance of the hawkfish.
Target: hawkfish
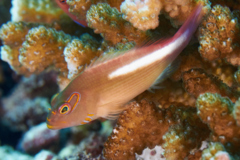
{"x": 103, "y": 89}
{"x": 65, "y": 7}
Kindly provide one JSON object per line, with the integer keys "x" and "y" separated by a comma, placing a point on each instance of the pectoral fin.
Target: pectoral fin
{"x": 171, "y": 68}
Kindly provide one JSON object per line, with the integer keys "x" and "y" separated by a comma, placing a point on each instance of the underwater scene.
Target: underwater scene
{"x": 119, "y": 80}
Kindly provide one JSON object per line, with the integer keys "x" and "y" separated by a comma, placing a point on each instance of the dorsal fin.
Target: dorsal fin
{"x": 119, "y": 49}
{"x": 104, "y": 57}
{"x": 152, "y": 40}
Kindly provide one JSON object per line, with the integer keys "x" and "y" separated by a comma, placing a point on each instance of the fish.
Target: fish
{"x": 65, "y": 7}
{"x": 103, "y": 88}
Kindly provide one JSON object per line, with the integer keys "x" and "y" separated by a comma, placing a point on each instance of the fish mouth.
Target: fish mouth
{"x": 49, "y": 125}
{"x": 52, "y": 126}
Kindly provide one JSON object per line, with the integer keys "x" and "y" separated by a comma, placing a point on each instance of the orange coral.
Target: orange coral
{"x": 80, "y": 8}
{"x": 219, "y": 35}
{"x": 143, "y": 125}
{"x": 41, "y": 49}
{"x": 215, "y": 151}
{"x": 197, "y": 82}
{"x": 142, "y": 14}
{"x": 31, "y": 48}
{"x": 35, "y": 11}
{"x": 168, "y": 94}
{"x": 80, "y": 52}
{"x": 190, "y": 58}
{"x": 178, "y": 10}
{"x": 217, "y": 112}
{"x": 109, "y": 23}
{"x": 13, "y": 34}
{"x": 178, "y": 129}
{"x": 181, "y": 138}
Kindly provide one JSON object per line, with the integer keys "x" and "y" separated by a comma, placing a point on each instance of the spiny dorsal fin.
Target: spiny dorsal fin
{"x": 152, "y": 40}
{"x": 111, "y": 53}
{"x": 104, "y": 57}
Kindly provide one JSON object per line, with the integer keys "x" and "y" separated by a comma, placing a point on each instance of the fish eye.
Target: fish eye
{"x": 64, "y": 109}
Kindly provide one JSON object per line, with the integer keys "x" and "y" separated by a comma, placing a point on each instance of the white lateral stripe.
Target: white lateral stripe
{"x": 150, "y": 58}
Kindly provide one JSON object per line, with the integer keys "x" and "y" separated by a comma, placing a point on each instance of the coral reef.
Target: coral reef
{"x": 178, "y": 11}
{"x": 155, "y": 153}
{"x": 139, "y": 126}
{"x": 195, "y": 114}
{"x": 217, "y": 112}
{"x": 109, "y": 23}
{"x": 142, "y": 14}
{"x": 219, "y": 35}
{"x": 215, "y": 151}
{"x": 28, "y": 104}
{"x": 8, "y": 152}
{"x": 197, "y": 82}
{"x": 35, "y": 11}
{"x": 39, "y": 137}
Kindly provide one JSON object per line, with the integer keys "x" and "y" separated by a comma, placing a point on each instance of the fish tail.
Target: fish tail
{"x": 191, "y": 24}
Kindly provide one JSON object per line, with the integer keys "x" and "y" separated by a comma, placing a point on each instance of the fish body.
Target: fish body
{"x": 65, "y": 7}
{"x": 105, "y": 87}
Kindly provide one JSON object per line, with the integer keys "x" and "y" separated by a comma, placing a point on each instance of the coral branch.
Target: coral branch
{"x": 109, "y": 22}
{"x": 35, "y": 11}
{"x": 197, "y": 82}
{"x": 143, "y": 125}
{"x": 219, "y": 36}
{"x": 217, "y": 112}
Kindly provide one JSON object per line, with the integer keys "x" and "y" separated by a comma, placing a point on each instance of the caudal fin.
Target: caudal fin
{"x": 192, "y": 22}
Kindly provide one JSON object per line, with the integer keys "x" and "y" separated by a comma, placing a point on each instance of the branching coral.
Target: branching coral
{"x": 36, "y": 48}
{"x": 142, "y": 14}
{"x": 215, "y": 151}
{"x": 8, "y": 152}
{"x": 219, "y": 35}
{"x": 217, "y": 112}
{"x": 143, "y": 125}
{"x": 35, "y": 11}
{"x": 182, "y": 138}
{"x": 80, "y": 8}
{"x": 236, "y": 112}
{"x": 13, "y": 35}
{"x": 38, "y": 137}
{"x": 28, "y": 104}
{"x": 80, "y": 52}
{"x": 167, "y": 117}
{"x": 179, "y": 10}
{"x": 41, "y": 47}
{"x": 109, "y": 23}
{"x": 197, "y": 82}
{"x": 190, "y": 59}
{"x": 169, "y": 93}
